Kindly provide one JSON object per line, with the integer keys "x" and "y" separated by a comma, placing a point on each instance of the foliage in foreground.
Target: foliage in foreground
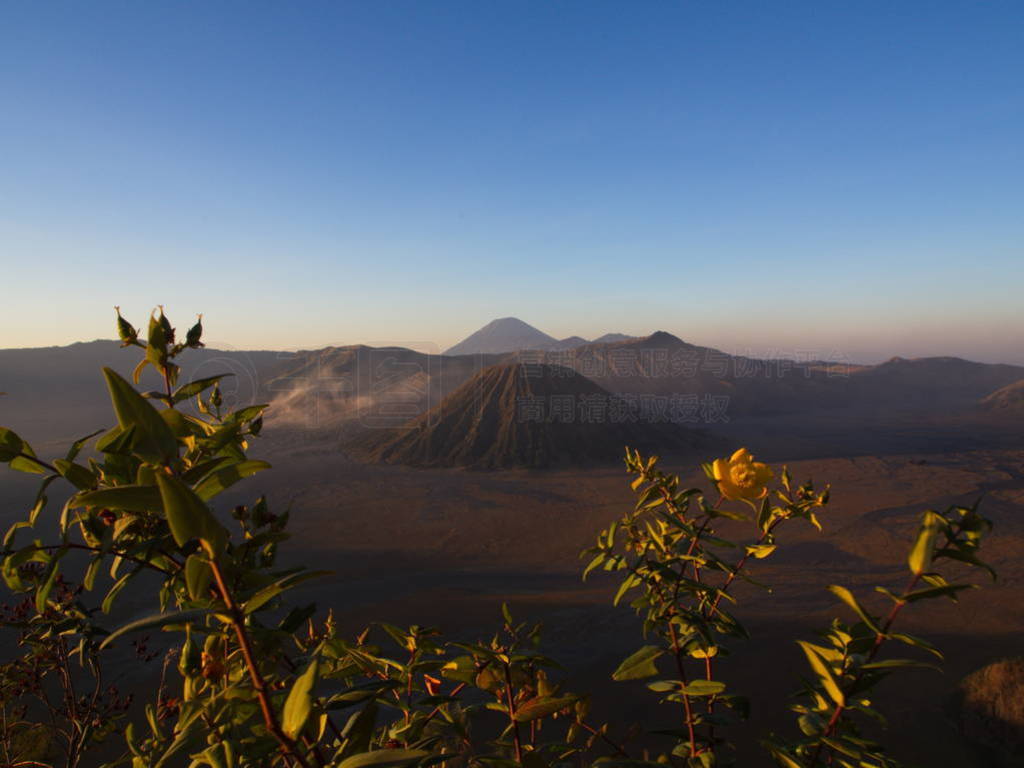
{"x": 251, "y": 680}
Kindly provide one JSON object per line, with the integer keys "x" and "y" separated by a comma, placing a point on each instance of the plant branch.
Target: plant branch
{"x": 510, "y": 702}
{"x": 880, "y": 638}
{"x": 288, "y": 746}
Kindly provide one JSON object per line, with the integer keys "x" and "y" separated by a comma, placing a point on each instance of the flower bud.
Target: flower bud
{"x": 195, "y": 333}
{"x": 125, "y": 330}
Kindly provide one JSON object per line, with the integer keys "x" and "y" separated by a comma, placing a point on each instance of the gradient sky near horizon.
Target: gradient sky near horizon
{"x": 792, "y": 176}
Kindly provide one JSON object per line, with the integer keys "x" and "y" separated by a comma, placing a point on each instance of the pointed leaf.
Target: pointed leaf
{"x": 197, "y": 576}
{"x": 920, "y": 558}
{"x": 299, "y": 703}
{"x": 703, "y": 687}
{"x": 186, "y": 391}
{"x": 132, "y": 498}
{"x": 542, "y": 706}
{"x": 152, "y": 622}
{"x": 153, "y": 438}
{"x": 188, "y": 517}
{"x": 221, "y": 479}
{"x": 847, "y": 597}
{"x": 640, "y": 664}
{"x": 384, "y": 758}
{"x": 828, "y": 681}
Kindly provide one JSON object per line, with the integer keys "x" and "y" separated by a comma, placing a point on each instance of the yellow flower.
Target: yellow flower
{"x": 740, "y": 477}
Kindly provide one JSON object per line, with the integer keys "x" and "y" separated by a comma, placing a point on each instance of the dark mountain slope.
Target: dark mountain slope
{"x": 516, "y": 415}
{"x": 1008, "y": 400}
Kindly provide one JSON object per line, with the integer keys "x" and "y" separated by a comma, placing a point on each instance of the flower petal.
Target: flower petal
{"x": 741, "y": 455}
{"x": 720, "y": 469}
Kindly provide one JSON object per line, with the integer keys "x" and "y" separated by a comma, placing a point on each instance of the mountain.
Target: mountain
{"x": 58, "y": 393}
{"x": 609, "y": 338}
{"x": 510, "y": 334}
{"x": 931, "y": 382}
{"x": 507, "y": 334}
{"x": 663, "y": 365}
{"x": 1007, "y": 400}
{"x": 571, "y": 342}
{"x": 521, "y": 415}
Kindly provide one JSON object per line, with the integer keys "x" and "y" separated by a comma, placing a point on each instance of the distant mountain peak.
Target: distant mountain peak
{"x": 506, "y": 334}
{"x": 663, "y": 337}
{"x": 509, "y": 323}
{"x": 510, "y": 334}
{"x": 611, "y": 338}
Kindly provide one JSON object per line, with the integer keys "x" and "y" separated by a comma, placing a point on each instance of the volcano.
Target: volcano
{"x": 526, "y": 415}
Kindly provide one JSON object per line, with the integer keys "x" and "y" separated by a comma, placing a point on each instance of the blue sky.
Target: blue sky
{"x": 759, "y": 176}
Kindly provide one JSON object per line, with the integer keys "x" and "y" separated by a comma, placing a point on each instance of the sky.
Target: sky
{"x": 778, "y": 177}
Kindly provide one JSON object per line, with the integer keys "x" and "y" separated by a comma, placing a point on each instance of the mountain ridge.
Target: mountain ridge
{"x": 510, "y": 334}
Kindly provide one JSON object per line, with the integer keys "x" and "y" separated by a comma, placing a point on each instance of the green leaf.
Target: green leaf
{"x": 43, "y": 592}
{"x": 271, "y": 591}
{"x": 357, "y": 694}
{"x": 949, "y": 590}
{"x": 117, "y": 440}
{"x": 664, "y": 686}
{"x": 847, "y": 597}
{"x": 11, "y": 444}
{"x": 639, "y": 665}
{"x": 384, "y": 758}
{"x": 131, "y": 498}
{"x": 152, "y": 622}
{"x": 197, "y": 576}
{"x": 900, "y": 664}
{"x": 542, "y": 706}
{"x": 221, "y": 479}
{"x": 76, "y": 447}
{"x": 358, "y": 731}
{"x": 114, "y": 591}
{"x": 824, "y": 673}
{"x": 153, "y": 439}
{"x": 193, "y": 388}
{"x": 189, "y": 518}
{"x": 246, "y": 414}
{"x": 785, "y": 760}
{"x": 764, "y": 515}
{"x": 186, "y": 740}
{"x": 966, "y": 556}
{"x": 920, "y": 558}
{"x": 299, "y": 703}
{"x": 598, "y": 560}
{"x": 89, "y": 580}
{"x": 730, "y": 514}
{"x": 703, "y": 687}
{"x": 760, "y": 551}
{"x": 76, "y": 474}
{"x": 627, "y": 584}
{"x": 916, "y": 642}
{"x": 19, "y": 454}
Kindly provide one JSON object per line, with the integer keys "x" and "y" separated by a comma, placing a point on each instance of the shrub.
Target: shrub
{"x": 990, "y": 709}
